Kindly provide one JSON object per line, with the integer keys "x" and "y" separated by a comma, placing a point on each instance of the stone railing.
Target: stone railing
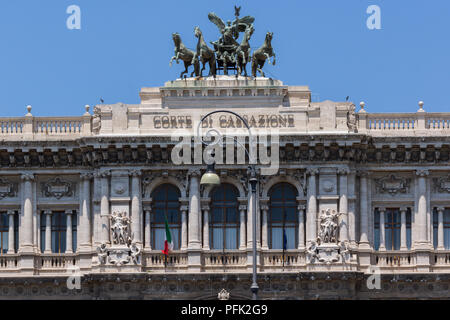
{"x": 37, "y": 128}
{"x": 394, "y": 260}
{"x": 273, "y": 260}
{"x": 217, "y": 260}
{"x": 55, "y": 262}
{"x": 404, "y": 123}
{"x": 441, "y": 261}
{"x": 9, "y": 262}
{"x": 156, "y": 260}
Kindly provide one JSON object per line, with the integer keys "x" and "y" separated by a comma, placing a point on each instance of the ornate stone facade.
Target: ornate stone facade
{"x": 358, "y": 168}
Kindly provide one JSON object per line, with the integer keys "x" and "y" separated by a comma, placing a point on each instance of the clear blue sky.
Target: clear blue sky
{"x": 125, "y": 45}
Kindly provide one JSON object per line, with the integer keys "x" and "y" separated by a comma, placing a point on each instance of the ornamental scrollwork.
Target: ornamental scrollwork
{"x": 392, "y": 185}
{"x": 442, "y": 184}
{"x": 58, "y": 188}
{"x": 7, "y": 189}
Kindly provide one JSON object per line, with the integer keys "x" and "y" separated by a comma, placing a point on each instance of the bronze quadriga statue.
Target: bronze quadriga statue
{"x": 228, "y": 54}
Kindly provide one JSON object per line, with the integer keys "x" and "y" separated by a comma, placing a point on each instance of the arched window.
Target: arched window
{"x": 165, "y": 204}
{"x": 224, "y": 219}
{"x": 283, "y": 216}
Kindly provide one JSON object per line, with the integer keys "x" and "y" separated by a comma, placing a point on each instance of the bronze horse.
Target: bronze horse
{"x": 243, "y": 51}
{"x": 264, "y": 53}
{"x": 205, "y": 53}
{"x": 183, "y": 53}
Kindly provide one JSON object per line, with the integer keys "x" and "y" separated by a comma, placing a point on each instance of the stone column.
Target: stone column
{"x": 205, "y": 209}
{"x": 440, "y": 243}
{"x": 26, "y": 223}
{"x": 265, "y": 210}
{"x": 382, "y": 230}
{"x": 84, "y": 230}
{"x": 343, "y": 204}
{"x": 250, "y": 219}
{"x": 422, "y": 245}
{"x": 422, "y": 207}
{"x": 184, "y": 229}
{"x": 403, "y": 244}
{"x": 364, "y": 215}
{"x": 69, "y": 242}
{"x": 194, "y": 210}
{"x": 242, "y": 240}
{"x": 194, "y": 242}
{"x": 48, "y": 231}
{"x": 148, "y": 236}
{"x": 136, "y": 215}
{"x": 11, "y": 214}
{"x": 104, "y": 207}
{"x": 301, "y": 226}
{"x": 311, "y": 214}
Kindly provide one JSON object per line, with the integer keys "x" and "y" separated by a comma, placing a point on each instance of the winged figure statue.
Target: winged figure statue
{"x": 230, "y": 31}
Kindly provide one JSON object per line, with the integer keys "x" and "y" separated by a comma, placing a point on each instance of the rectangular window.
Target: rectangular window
{"x": 58, "y": 231}
{"x": 446, "y": 225}
{"x": 392, "y": 229}
{"x": 4, "y": 230}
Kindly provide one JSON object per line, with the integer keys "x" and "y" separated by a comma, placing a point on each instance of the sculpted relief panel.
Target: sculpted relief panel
{"x": 8, "y": 189}
{"x": 58, "y": 188}
{"x": 392, "y": 185}
{"x": 442, "y": 184}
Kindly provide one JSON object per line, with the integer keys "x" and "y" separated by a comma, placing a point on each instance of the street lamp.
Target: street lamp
{"x": 211, "y": 178}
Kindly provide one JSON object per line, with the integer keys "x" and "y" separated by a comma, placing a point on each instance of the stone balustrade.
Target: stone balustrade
{"x": 156, "y": 260}
{"x": 441, "y": 260}
{"x": 405, "y": 124}
{"x": 29, "y": 128}
{"x": 224, "y": 260}
{"x": 272, "y": 260}
{"x": 9, "y": 263}
{"x": 395, "y": 261}
{"x": 55, "y": 262}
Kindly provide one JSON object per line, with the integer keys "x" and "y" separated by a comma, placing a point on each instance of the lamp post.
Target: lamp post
{"x": 210, "y": 177}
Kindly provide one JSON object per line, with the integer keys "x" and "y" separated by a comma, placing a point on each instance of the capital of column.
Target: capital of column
{"x": 205, "y": 207}
{"x": 69, "y": 212}
{"x": 422, "y": 172}
{"x": 343, "y": 171}
{"x": 135, "y": 173}
{"x": 27, "y": 177}
{"x": 301, "y": 207}
{"x": 48, "y": 212}
{"x": 86, "y": 175}
{"x": 11, "y": 212}
{"x": 195, "y": 172}
{"x": 312, "y": 171}
{"x": 403, "y": 209}
{"x": 184, "y": 208}
{"x": 382, "y": 209}
{"x": 105, "y": 174}
{"x": 362, "y": 173}
{"x": 264, "y": 207}
{"x": 440, "y": 209}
